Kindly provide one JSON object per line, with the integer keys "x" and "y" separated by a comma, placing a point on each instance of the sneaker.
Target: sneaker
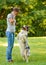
{"x": 10, "y": 60}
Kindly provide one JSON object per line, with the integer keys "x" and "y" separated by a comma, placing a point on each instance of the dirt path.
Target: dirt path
{"x": 2, "y": 44}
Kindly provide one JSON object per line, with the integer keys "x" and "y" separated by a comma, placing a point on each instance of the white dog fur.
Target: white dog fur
{"x": 23, "y": 43}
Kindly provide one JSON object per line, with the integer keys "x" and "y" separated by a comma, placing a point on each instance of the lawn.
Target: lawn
{"x": 37, "y": 48}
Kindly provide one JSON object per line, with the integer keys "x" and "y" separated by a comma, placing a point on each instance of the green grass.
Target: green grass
{"x": 37, "y": 48}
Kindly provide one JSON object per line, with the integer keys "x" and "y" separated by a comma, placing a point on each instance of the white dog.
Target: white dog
{"x": 23, "y": 43}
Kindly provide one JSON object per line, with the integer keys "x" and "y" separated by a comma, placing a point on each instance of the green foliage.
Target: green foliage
{"x": 33, "y": 14}
{"x": 2, "y": 27}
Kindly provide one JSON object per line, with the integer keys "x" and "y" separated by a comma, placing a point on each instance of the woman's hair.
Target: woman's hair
{"x": 15, "y": 9}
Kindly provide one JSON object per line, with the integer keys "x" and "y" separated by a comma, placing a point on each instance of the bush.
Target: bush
{"x": 2, "y": 28}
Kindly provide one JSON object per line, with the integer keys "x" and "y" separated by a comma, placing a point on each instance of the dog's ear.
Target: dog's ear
{"x": 27, "y": 28}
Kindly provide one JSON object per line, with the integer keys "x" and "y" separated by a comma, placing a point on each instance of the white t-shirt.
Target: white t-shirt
{"x": 10, "y": 27}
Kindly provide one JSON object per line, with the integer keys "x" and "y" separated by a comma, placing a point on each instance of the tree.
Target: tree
{"x": 33, "y": 14}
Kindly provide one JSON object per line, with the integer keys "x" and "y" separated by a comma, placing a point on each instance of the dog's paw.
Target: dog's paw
{"x": 26, "y": 61}
{"x": 23, "y": 58}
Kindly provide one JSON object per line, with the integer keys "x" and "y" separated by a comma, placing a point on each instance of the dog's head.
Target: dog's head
{"x": 25, "y": 27}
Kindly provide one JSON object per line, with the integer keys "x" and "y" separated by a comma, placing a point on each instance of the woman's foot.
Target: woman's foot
{"x": 10, "y": 60}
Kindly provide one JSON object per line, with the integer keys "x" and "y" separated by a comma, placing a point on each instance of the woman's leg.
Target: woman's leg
{"x": 10, "y": 37}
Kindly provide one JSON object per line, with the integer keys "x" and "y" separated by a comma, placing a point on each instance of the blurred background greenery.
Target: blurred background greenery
{"x": 32, "y": 13}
